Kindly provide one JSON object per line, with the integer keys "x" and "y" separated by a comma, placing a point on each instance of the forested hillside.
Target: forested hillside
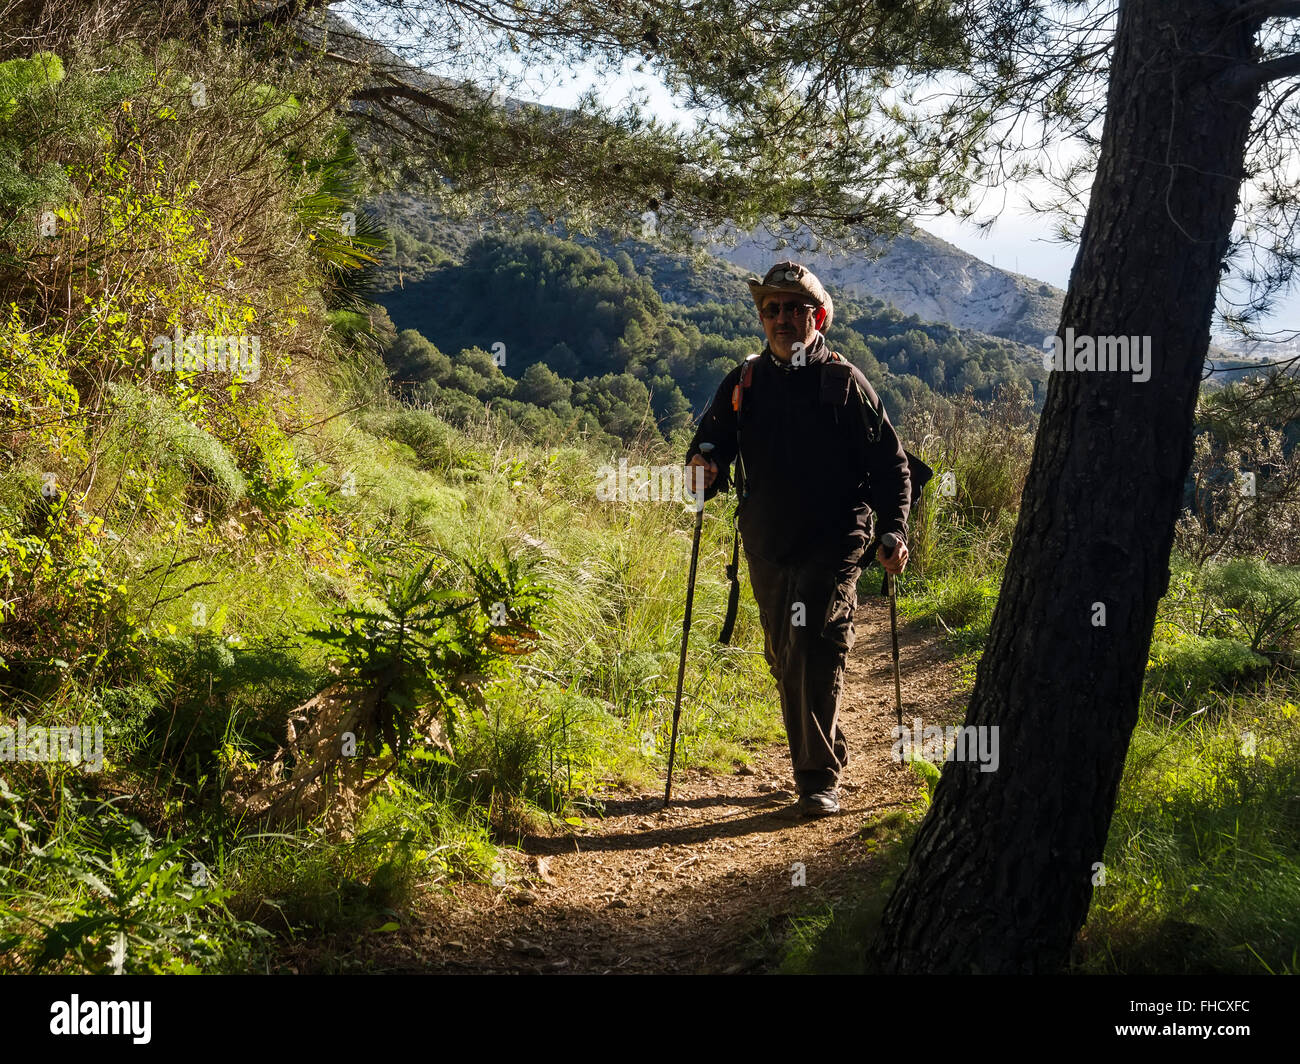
{"x": 560, "y": 336}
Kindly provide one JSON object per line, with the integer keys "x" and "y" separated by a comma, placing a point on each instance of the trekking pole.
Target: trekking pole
{"x": 705, "y": 448}
{"x": 889, "y": 542}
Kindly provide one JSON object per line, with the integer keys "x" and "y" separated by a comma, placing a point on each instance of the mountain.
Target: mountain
{"x": 615, "y": 334}
{"x": 919, "y": 274}
{"x": 916, "y": 273}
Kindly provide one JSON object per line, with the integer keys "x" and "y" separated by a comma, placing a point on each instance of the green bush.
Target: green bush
{"x": 20, "y": 78}
{"x": 1184, "y": 668}
{"x": 1263, "y": 600}
{"x": 127, "y": 711}
{"x": 513, "y": 754}
{"x": 161, "y": 437}
{"x": 426, "y": 645}
{"x": 23, "y": 193}
{"x": 430, "y": 438}
{"x": 212, "y": 695}
{"x": 110, "y": 898}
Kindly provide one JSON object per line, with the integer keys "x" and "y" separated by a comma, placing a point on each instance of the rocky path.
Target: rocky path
{"x": 709, "y": 884}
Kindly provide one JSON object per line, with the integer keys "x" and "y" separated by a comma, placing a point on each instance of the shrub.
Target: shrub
{"x": 123, "y": 902}
{"x": 166, "y": 439}
{"x": 428, "y": 436}
{"x": 1263, "y": 600}
{"x": 1184, "y": 668}
{"x": 986, "y": 447}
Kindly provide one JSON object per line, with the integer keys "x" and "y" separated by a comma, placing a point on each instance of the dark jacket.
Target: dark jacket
{"x": 812, "y": 479}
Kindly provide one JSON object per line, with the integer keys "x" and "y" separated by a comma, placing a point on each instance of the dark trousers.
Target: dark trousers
{"x": 806, "y": 609}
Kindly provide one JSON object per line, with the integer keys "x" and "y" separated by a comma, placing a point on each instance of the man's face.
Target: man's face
{"x": 787, "y": 319}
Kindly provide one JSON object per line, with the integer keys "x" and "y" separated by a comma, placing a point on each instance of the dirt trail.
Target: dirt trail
{"x": 697, "y": 887}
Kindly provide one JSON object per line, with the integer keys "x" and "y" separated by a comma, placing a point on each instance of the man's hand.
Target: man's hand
{"x": 710, "y": 471}
{"x": 895, "y": 562}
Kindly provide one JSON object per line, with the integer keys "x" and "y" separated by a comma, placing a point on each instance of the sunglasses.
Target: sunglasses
{"x": 773, "y": 310}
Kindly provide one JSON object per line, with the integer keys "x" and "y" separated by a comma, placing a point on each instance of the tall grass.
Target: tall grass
{"x": 1202, "y": 866}
{"x": 960, "y": 531}
{"x": 980, "y": 453}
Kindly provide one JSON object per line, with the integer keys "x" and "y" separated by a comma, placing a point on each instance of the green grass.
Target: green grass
{"x": 408, "y": 839}
{"x": 961, "y": 603}
{"x": 1203, "y": 858}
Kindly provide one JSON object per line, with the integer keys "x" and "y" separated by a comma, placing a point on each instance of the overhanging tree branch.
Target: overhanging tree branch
{"x": 277, "y": 16}
{"x": 1244, "y": 81}
{"x": 397, "y": 112}
{"x": 1262, "y": 9}
{"x": 396, "y": 90}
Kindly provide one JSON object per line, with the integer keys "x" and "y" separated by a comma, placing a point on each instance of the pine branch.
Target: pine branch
{"x": 1245, "y": 80}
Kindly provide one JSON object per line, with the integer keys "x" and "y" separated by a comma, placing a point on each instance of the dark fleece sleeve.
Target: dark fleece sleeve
{"x": 889, "y": 482}
{"x": 718, "y": 427}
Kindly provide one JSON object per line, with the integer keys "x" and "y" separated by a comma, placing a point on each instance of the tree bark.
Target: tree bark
{"x": 1000, "y": 875}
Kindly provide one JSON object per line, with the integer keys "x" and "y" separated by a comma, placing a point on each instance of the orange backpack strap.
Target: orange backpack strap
{"x": 746, "y": 375}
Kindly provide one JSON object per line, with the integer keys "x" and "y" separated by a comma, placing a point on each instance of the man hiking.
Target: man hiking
{"x": 817, "y": 457}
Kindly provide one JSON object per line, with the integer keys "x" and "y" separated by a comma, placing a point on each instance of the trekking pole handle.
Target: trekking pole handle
{"x": 889, "y": 542}
{"x": 706, "y": 449}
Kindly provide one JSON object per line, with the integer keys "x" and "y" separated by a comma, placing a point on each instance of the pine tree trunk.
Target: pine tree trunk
{"x": 1001, "y": 873}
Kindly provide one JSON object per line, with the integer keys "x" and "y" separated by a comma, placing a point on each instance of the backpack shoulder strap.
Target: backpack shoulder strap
{"x": 746, "y": 375}
{"x": 873, "y": 420}
{"x": 742, "y": 490}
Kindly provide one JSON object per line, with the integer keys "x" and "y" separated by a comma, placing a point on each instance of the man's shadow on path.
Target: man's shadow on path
{"x": 780, "y": 818}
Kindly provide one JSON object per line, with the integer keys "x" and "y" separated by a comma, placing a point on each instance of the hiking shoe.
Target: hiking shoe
{"x": 820, "y": 803}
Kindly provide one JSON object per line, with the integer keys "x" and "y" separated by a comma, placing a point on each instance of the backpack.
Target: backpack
{"x": 834, "y": 392}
